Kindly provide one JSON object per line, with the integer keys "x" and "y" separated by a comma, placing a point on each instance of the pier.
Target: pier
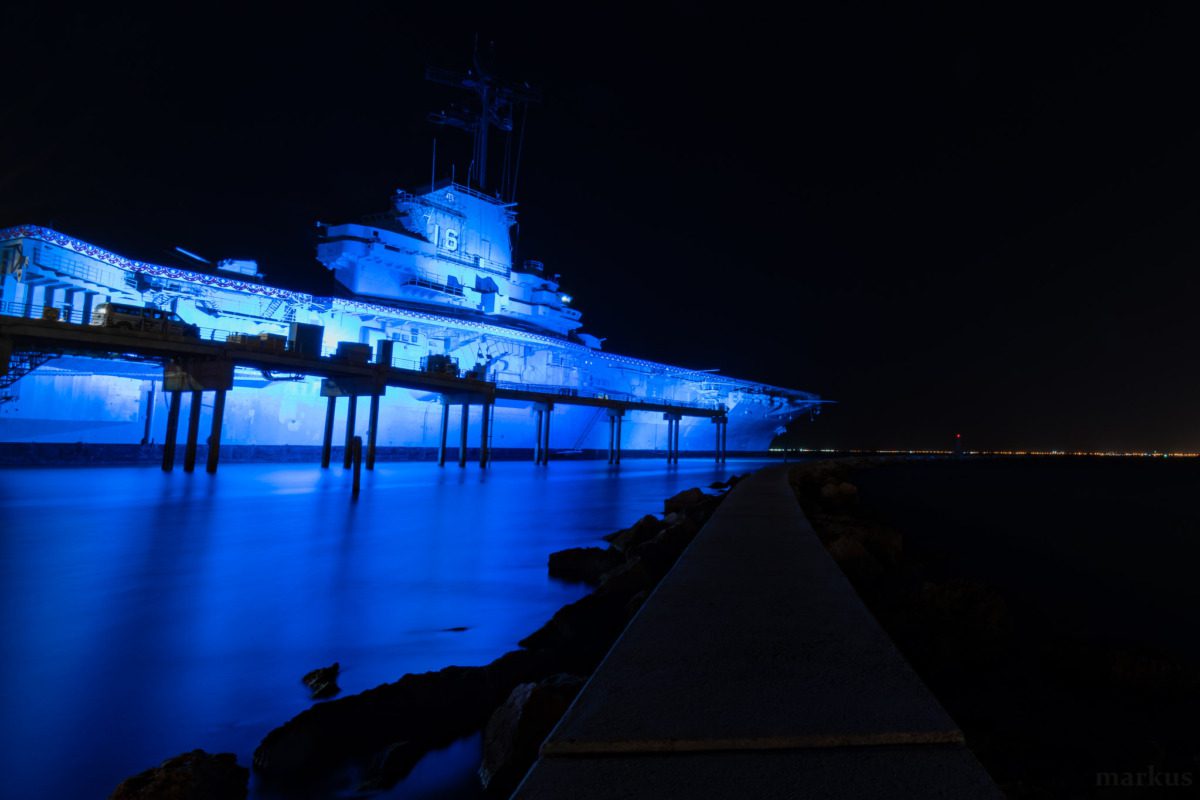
{"x": 195, "y": 366}
{"x": 754, "y": 670}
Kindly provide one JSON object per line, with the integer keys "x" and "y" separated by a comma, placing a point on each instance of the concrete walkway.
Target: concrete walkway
{"x": 754, "y": 670}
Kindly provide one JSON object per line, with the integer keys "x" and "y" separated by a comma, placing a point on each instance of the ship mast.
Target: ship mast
{"x": 497, "y": 101}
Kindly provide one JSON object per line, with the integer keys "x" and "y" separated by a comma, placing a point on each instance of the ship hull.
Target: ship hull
{"x": 89, "y": 401}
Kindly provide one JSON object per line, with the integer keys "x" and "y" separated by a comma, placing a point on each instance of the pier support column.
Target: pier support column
{"x": 214, "y": 437}
{"x": 724, "y": 439}
{"x": 672, "y": 437}
{"x": 372, "y": 430}
{"x": 445, "y": 430}
{"x": 87, "y": 307}
{"x": 168, "y": 463}
{"x": 546, "y": 435}
{"x": 612, "y": 435}
{"x": 148, "y": 429}
{"x": 720, "y": 424}
{"x": 462, "y": 434}
{"x": 537, "y": 440}
{"x": 193, "y": 431}
{"x": 485, "y": 426}
{"x": 356, "y": 460}
{"x": 351, "y": 412}
{"x": 618, "y": 452}
{"x": 327, "y": 441}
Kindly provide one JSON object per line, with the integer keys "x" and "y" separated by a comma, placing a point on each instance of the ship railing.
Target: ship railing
{"x": 75, "y": 265}
{"x": 64, "y": 313}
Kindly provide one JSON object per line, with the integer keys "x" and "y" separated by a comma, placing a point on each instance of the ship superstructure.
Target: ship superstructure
{"x": 449, "y": 248}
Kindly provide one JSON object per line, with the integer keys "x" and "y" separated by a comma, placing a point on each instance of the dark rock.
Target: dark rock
{"x": 322, "y": 682}
{"x": 517, "y": 729}
{"x": 424, "y": 710}
{"x": 581, "y": 632}
{"x": 643, "y": 530}
{"x": 855, "y": 561}
{"x": 520, "y": 666}
{"x": 628, "y": 579}
{"x": 703, "y": 509}
{"x": 585, "y": 564}
{"x": 635, "y": 603}
{"x": 391, "y": 766}
{"x": 660, "y": 553}
{"x": 191, "y": 776}
{"x": 681, "y": 501}
{"x": 953, "y": 624}
{"x": 839, "y": 494}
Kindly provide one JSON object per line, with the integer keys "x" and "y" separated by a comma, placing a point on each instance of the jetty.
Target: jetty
{"x": 754, "y": 670}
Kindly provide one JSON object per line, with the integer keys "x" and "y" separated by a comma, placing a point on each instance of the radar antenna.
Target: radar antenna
{"x": 498, "y": 102}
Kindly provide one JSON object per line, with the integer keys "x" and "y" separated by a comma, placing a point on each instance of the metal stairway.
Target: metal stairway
{"x": 20, "y": 365}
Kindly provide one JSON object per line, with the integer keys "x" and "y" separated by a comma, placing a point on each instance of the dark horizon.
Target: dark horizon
{"x": 947, "y": 222}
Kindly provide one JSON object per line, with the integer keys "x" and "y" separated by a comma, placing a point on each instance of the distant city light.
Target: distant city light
{"x": 1090, "y": 453}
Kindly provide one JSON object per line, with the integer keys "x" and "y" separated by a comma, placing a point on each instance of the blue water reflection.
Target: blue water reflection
{"x": 147, "y": 614}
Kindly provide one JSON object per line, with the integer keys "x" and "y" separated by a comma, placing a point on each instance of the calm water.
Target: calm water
{"x": 1103, "y": 549}
{"x": 145, "y": 614}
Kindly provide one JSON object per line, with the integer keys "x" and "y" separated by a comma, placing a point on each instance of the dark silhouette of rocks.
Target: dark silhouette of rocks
{"x": 686, "y": 498}
{"x": 191, "y": 776}
{"x": 643, "y": 530}
{"x": 584, "y": 564}
{"x": 322, "y": 682}
{"x": 517, "y": 729}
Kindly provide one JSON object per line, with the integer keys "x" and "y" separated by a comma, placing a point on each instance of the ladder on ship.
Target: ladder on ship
{"x": 588, "y": 428}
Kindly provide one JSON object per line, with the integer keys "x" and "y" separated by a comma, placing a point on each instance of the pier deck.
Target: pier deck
{"x": 754, "y": 670}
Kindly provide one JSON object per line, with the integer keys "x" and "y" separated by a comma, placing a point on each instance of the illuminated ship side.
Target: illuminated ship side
{"x": 519, "y": 333}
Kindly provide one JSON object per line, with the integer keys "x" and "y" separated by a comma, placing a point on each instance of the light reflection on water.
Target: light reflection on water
{"x": 145, "y": 614}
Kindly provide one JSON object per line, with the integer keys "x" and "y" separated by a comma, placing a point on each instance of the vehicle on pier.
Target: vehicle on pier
{"x": 145, "y": 319}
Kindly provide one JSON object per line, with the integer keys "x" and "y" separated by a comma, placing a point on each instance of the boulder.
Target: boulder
{"x": 635, "y": 603}
{"x": 322, "y": 682}
{"x": 855, "y": 561}
{"x": 391, "y": 766}
{"x": 681, "y": 501}
{"x": 581, "y": 633}
{"x": 424, "y": 711}
{"x": 584, "y": 564}
{"x": 660, "y": 553}
{"x": 839, "y": 494}
{"x": 517, "y": 729}
{"x": 643, "y": 530}
{"x": 956, "y": 623}
{"x": 191, "y": 776}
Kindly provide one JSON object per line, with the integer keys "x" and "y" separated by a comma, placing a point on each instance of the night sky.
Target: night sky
{"x": 946, "y": 220}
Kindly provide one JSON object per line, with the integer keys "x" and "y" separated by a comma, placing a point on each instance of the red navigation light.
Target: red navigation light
{"x": 958, "y": 436}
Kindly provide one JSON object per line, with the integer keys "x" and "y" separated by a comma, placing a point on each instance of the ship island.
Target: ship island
{"x": 432, "y": 284}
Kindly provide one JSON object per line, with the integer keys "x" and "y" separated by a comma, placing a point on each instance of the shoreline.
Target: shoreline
{"x": 49, "y": 454}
